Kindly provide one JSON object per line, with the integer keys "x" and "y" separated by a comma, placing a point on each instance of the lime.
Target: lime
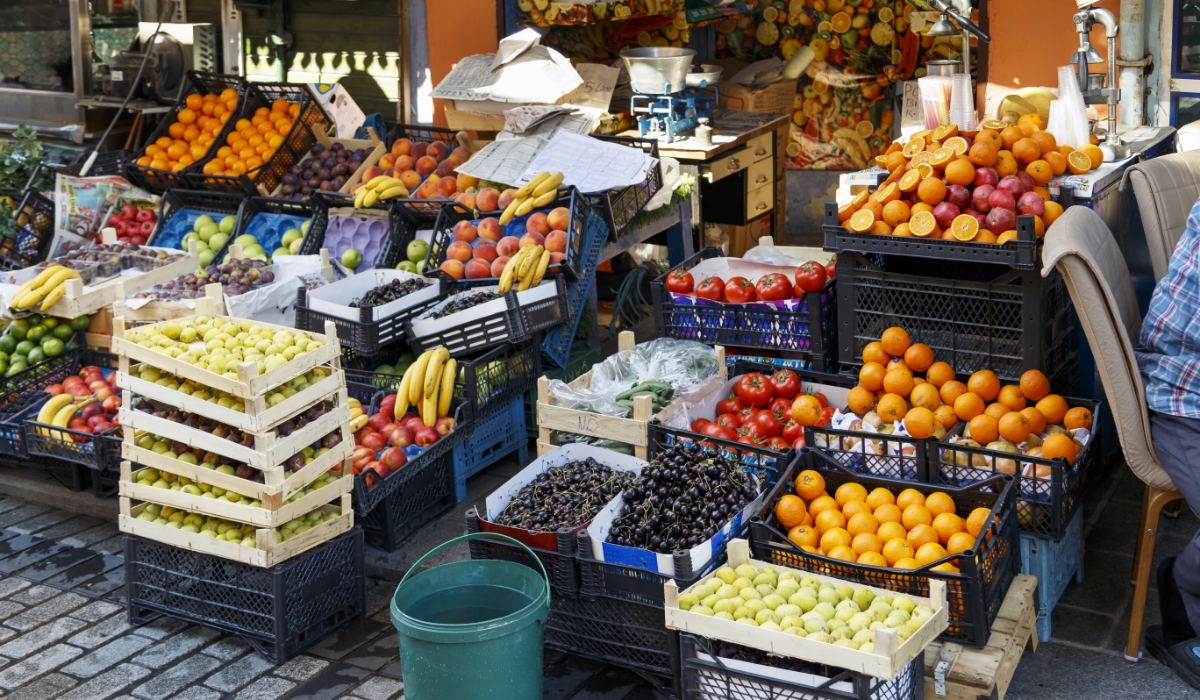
{"x": 18, "y": 328}
{"x": 50, "y": 323}
{"x": 62, "y": 332}
{"x": 4, "y": 357}
{"x": 7, "y": 343}
{"x": 36, "y": 355}
{"x": 35, "y": 319}
{"x": 24, "y": 347}
{"x": 36, "y": 333}
{"x": 53, "y": 347}
{"x": 14, "y": 368}
{"x": 3, "y": 366}
{"x": 81, "y": 323}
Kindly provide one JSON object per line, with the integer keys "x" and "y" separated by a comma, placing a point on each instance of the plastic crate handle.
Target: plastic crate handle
{"x": 480, "y": 536}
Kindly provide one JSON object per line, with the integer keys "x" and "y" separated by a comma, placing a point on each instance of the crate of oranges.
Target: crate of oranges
{"x": 198, "y": 121}
{"x": 822, "y": 517}
{"x": 272, "y": 131}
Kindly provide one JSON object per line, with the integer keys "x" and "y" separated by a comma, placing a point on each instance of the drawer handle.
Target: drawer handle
{"x": 761, "y": 152}
{"x": 761, "y": 179}
{"x": 761, "y": 206}
{"x": 734, "y": 164}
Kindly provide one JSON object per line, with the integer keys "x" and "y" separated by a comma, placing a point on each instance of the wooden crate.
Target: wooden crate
{"x": 157, "y": 311}
{"x": 959, "y": 672}
{"x": 268, "y": 550}
{"x": 891, "y": 655}
{"x": 249, "y": 383}
{"x": 264, "y": 516}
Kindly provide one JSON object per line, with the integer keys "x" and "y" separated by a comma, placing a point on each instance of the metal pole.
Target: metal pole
{"x": 1133, "y": 48}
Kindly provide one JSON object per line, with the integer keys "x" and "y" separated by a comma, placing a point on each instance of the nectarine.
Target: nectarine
{"x": 537, "y": 223}
{"x": 447, "y": 186}
{"x": 454, "y": 268}
{"x": 418, "y": 149}
{"x": 465, "y": 231}
{"x": 404, "y": 163}
{"x": 459, "y": 251}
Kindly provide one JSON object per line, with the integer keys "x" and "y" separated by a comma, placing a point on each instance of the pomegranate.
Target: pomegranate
{"x": 1002, "y": 199}
{"x": 1000, "y": 220}
{"x": 979, "y": 198}
{"x": 944, "y": 214}
{"x": 1031, "y": 203}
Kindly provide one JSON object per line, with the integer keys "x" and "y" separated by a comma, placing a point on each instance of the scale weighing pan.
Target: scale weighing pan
{"x": 658, "y": 70}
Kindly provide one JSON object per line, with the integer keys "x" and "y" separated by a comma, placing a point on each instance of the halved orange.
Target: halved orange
{"x": 946, "y": 131}
{"x": 942, "y": 156}
{"x": 965, "y": 227}
{"x": 921, "y": 158}
{"x": 958, "y": 143}
{"x": 1078, "y": 162}
{"x": 845, "y": 212}
{"x": 994, "y": 124}
{"x": 889, "y": 193}
{"x": 863, "y": 221}
{"x": 923, "y": 224}
{"x": 925, "y": 169}
{"x": 881, "y": 161}
{"x": 913, "y": 147}
{"x": 922, "y": 134}
{"x": 840, "y": 22}
{"x": 911, "y": 179}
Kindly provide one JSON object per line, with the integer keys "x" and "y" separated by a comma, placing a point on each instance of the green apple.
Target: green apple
{"x": 304, "y": 227}
{"x": 246, "y": 240}
{"x": 217, "y": 241}
{"x": 417, "y": 250}
{"x": 294, "y": 246}
{"x": 351, "y": 259}
{"x": 227, "y": 224}
{"x": 207, "y": 232}
{"x": 280, "y": 251}
{"x": 203, "y": 220}
{"x": 407, "y": 266}
{"x": 290, "y": 235}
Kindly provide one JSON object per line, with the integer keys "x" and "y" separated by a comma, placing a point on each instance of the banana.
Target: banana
{"x": 429, "y": 407}
{"x": 359, "y": 196}
{"x": 402, "y": 393}
{"x": 526, "y": 189}
{"x": 54, "y": 295}
{"x": 42, "y": 277}
{"x": 541, "y": 268}
{"x": 30, "y": 299}
{"x": 358, "y": 424}
{"x": 510, "y": 269}
{"x": 397, "y": 191}
{"x": 62, "y": 417}
{"x": 433, "y": 372}
{"x": 447, "y": 391}
{"x": 388, "y": 184}
{"x": 527, "y": 261}
{"x": 510, "y": 211}
{"x": 545, "y": 200}
{"x": 526, "y": 206}
{"x": 550, "y": 184}
{"x": 415, "y": 385}
{"x": 376, "y": 180}
{"x": 62, "y": 275}
{"x": 355, "y": 412}
{"x": 46, "y": 414}
{"x": 371, "y": 198}
{"x": 354, "y": 403}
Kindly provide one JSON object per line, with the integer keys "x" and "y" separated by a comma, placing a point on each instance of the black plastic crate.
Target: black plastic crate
{"x": 22, "y": 393}
{"x": 263, "y": 180}
{"x": 1045, "y": 504}
{"x": 622, "y": 204}
{"x": 106, "y": 163}
{"x": 221, "y": 204}
{"x": 30, "y": 242}
{"x": 453, "y": 213}
{"x": 422, "y": 496}
{"x": 360, "y": 369}
{"x": 558, "y": 341}
{"x": 366, "y": 337}
{"x": 898, "y": 457}
{"x": 1024, "y": 253}
{"x": 809, "y": 328}
{"x": 159, "y": 181}
{"x": 279, "y": 611}
{"x": 561, "y": 566}
{"x": 707, "y": 676}
{"x": 402, "y": 226}
{"x": 974, "y": 316}
{"x": 421, "y": 132}
{"x": 974, "y": 594}
{"x": 45, "y": 440}
{"x": 497, "y": 376}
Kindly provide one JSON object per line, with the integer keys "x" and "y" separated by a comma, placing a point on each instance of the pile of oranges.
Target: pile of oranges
{"x": 907, "y": 530}
{"x": 193, "y": 132}
{"x": 891, "y": 378}
{"x": 253, "y": 141}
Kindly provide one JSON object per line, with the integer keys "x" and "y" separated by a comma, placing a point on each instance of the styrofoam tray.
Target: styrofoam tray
{"x": 424, "y": 325}
{"x": 334, "y": 299}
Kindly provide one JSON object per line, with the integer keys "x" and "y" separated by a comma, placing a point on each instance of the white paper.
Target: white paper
{"x": 539, "y": 75}
{"x": 912, "y": 117}
{"x": 599, "y": 81}
{"x": 514, "y": 45}
{"x": 504, "y": 160}
{"x": 590, "y": 164}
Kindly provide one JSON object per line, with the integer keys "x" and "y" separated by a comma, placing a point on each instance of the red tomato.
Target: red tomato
{"x": 739, "y": 290}
{"x": 732, "y": 404}
{"x": 745, "y": 414}
{"x": 811, "y": 276}
{"x": 821, "y": 399}
{"x": 769, "y": 425}
{"x": 729, "y": 420}
{"x": 780, "y": 405}
{"x": 778, "y": 444}
{"x": 831, "y": 267}
{"x": 699, "y": 423}
{"x": 826, "y": 416}
{"x": 746, "y": 439}
{"x": 711, "y": 288}
{"x": 680, "y": 282}
{"x": 773, "y": 287}
{"x": 785, "y": 383}
{"x": 753, "y": 430}
{"x": 719, "y": 431}
{"x": 799, "y": 443}
{"x": 754, "y": 390}
{"x": 792, "y": 430}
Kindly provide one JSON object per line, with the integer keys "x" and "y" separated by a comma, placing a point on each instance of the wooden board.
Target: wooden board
{"x": 79, "y": 300}
{"x": 724, "y": 138}
{"x": 889, "y": 659}
{"x": 265, "y": 516}
{"x": 980, "y": 674}
{"x": 268, "y": 551}
{"x": 249, "y": 383}
{"x": 269, "y": 450}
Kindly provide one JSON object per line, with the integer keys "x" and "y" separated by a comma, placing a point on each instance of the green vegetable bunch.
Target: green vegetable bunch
{"x": 19, "y": 158}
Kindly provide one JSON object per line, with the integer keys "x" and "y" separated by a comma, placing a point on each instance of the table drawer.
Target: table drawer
{"x": 727, "y": 165}
{"x": 760, "y": 200}
{"x": 760, "y": 174}
{"x": 761, "y": 147}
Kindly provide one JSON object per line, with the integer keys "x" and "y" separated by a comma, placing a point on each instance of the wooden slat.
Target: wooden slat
{"x": 77, "y": 302}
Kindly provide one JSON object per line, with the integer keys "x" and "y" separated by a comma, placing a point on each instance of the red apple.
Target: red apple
{"x": 444, "y": 425}
{"x": 111, "y": 404}
{"x": 90, "y": 410}
{"x": 377, "y": 421}
{"x": 401, "y": 437}
{"x": 374, "y": 442}
{"x": 393, "y": 458}
{"x": 387, "y": 406}
{"x": 426, "y": 436}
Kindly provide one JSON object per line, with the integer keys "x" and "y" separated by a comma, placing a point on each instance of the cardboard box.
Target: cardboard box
{"x": 773, "y": 99}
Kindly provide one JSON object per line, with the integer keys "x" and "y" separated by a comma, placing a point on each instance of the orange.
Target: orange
{"x": 947, "y": 525}
{"x": 932, "y": 191}
{"x": 790, "y": 511}
{"x": 907, "y": 563}
{"x": 985, "y": 384}
{"x": 909, "y": 181}
{"x": 990, "y": 137}
{"x": 895, "y": 341}
{"x": 945, "y": 415}
{"x": 1035, "y": 419}
{"x": 919, "y": 422}
{"x": 837, "y": 537}
{"x": 921, "y": 535}
{"x": 929, "y": 553}
{"x": 894, "y": 161}
{"x": 945, "y": 567}
{"x": 1010, "y": 395}
{"x": 870, "y": 377}
{"x": 804, "y": 536}
{"x": 939, "y": 373}
{"x": 1010, "y": 135}
{"x": 862, "y": 523}
{"x": 898, "y": 363}
{"x": 879, "y": 497}
{"x": 984, "y": 428}
{"x": 873, "y": 352}
{"x": 925, "y": 396}
{"x": 828, "y": 520}
{"x": 942, "y": 157}
{"x": 1045, "y": 141}
{"x": 997, "y": 410}
{"x": 806, "y": 410}
{"x": 1040, "y": 170}
{"x": 1078, "y": 417}
{"x": 1034, "y": 385}
{"x": 891, "y": 530}
{"x": 960, "y": 172}
{"x": 1053, "y": 407}
{"x": 944, "y": 132}
{"x": 186, "y": 116}
{"x": 891, "y": 408}
{"x": 1059, "y": 445}
{"x": 1057, "y": 161}
{"x": 896, "y": 212}
{"x": 1094, "y": 153}
{"x": 897, "y": 549}
{"x": 915, "y": 515}
{"x": 1005, "y": 164}
{"x": 898, "y": 381}
{"x": 939, "y": 502}
{"x": 855, "y": 507}
{"x": 842, "y": 553}
{"x": 965, "y": 227}
{"x": 888, "y": 193}
{"x": 976, "y": 520}
{"x": 176, "y": 130}
{"x": 1053, "y": 211}
{"x": 918, "y": 357}
{"x": 809, "y": 484}
{"x": 959, "y": 542}
{"x": 913, "y": 147}
{"x": 968, "y": 405}
{"x": 846, "y": 211}
{"x": 984, "y": 236}
{"x": 850, "y": 491}
{"x": 1014, "y": 427}
{"x": 871, "y": 559}
{"x": 922, "y": 224}
{"x": 194, "y": 101}
{"x": 983, "y": 154}
{"x": 860, "y": 400}
{"x": 1079, "y": 162}
{"x": 888, "y": 513}
{"x": 820, "y": 504}
{"x": 910, "y": 497}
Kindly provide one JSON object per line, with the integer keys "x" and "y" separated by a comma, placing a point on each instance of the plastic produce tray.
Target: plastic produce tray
{"x": 558, "y": 341}
{"x": 622, "y": 204}
{"x": 498, "y": 376}
{"x": 252, "y": 207}
{"x": 106, "y": 163}
{"x": 176, "y": 218}
{"x": 493, "y": 437}
{"x": 96, "y": 452}
{"x": 1055, "y": 564}
{"x": 21, "y": 393}
{"x": 401, "y": 228}
{"x": 366, "y": 337}
{"x": 28, "y": 245}
{"x": 420, "y": 497}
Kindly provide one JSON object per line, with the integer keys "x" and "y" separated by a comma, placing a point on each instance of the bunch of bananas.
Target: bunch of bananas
{"x": 59, "y": 411}
{"x": 358, "y": 417}
{"x": 378, "y": 189}
{"x": 47, "y": 288}
{"x": 527, "y": 268}
{"x": 538, "y": 192}
{"x": 428, "y": 385}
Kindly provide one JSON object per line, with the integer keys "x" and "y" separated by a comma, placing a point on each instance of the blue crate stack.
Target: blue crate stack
{"x": 497, "y": 435}
{"x": 1054, "y": 564}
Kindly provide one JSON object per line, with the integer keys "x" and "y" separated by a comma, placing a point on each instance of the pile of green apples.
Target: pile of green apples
{"x": 209, "y": 235}
{"x": 226, "y": 344}
{"x": 227, "y": 530}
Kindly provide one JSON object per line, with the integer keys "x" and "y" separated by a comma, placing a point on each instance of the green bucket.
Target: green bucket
{"x": 472, "y": 629}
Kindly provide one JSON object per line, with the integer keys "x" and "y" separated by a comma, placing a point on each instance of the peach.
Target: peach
{"x": 426, "y": 165}
{"x": 418, "y": 149}
{"x": 536, "y": 223}
{"x": 559, "y": 218}
{"x": 427, "y": 190}
{"x": 411, "y": 179}
{"x": 459, "y": 250}
{"x": 466, "y": 199}
{"x": 446, "y": 168}
{"x": 460, "y": 155}
{"x": 556, "y": 258}
{"x": 485, "y": 250}
{"x": 371, "y": 173}
{"x": 478, "y": 268}
{"x": 490, "y": 229}
{"x": 499, "y": 263}
{"x": 488, "y": 198}
{"x": 556, "y": 242}
{"x": 402, "y": 147}
{"x": 465, "y": 181}
{"x": 390, "y": 172}
{"x": 447, "y": 187}
{"x": 454, "y": 268}
{"x": 532, "y": 238}
{"x": 506, "y": 197}
{"x": 355, "y": 186}
{"x": 404, "y": 163}
{"x": 508, "y": 246}
{"x": 439, "y": 151}
{"x": 387, "y": 160}
{"x": 465, "y": 231}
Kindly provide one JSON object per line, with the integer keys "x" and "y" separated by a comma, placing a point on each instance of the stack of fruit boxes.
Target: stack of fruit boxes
{"x": 274, "y": 486}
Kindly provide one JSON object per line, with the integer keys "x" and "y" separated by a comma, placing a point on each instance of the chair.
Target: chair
{"x": 1087, "y": 255}
{"x": 1166, "y": 188}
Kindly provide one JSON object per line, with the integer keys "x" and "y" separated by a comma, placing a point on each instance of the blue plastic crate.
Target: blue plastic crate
{"x": 496, "y": 436}
{"x": 557, "y": 344}
{"x": 1054, "y": 564}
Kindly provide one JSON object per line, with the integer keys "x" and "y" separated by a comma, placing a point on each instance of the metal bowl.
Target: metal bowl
{"x": 708, "y": 75}
{"x": 658, "y": 70}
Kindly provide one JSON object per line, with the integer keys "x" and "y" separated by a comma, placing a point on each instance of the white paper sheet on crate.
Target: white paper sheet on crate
{"x": 334, "y": 299}
{"x": 538, "y": 75}
{"x": 590, "y": 164}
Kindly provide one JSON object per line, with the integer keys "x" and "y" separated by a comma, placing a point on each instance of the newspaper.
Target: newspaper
{"x": 504, "y": 160}
{"x": 590, "y": 164}
{"x": 538, "y": 75}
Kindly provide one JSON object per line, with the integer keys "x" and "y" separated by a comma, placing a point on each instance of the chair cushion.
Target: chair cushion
{"x": 1166, "y": 188}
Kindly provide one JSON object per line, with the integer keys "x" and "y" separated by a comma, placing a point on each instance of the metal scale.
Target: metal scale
{"x": 669, "y": 103}
{"x": 1100, "y": 88}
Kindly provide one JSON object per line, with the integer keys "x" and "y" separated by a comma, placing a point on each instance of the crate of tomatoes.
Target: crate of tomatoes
{"x": 742, "y": 303}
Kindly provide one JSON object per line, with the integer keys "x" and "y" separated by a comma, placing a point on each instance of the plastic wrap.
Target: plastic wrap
{"x": 690, "y": 368}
